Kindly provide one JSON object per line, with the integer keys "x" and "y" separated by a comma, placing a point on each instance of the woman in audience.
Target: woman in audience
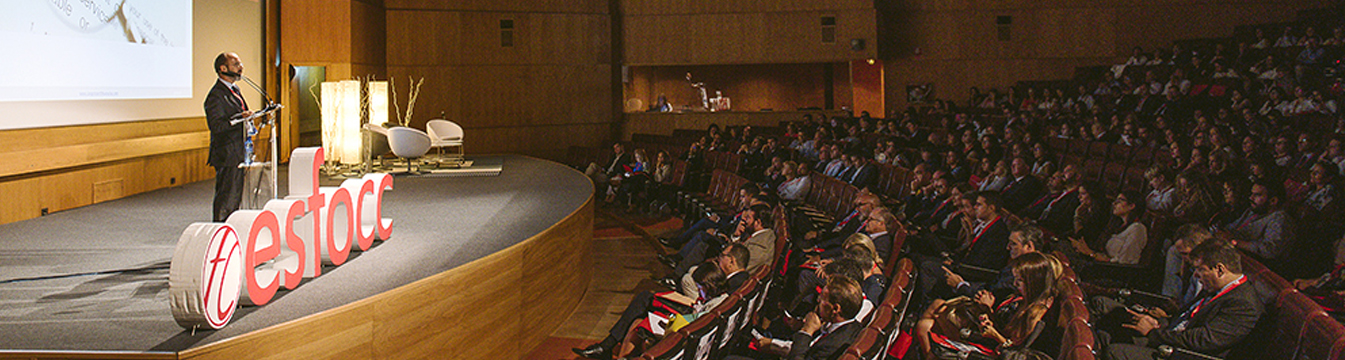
{"x": 1160, "y": 199}
{"x": 712, "y": 284}
{"x": 1194, "y": 204}
{"x": 1090, "y": 218}
{"x": 1125, "y": 244}
{"x": 796, "y": 182}
{"x": 1016, "y": 322}
{"x": 656, "y": 191}
{"x": 997, "y": 178}
{"x": 1234, "y": 194}
{"x": 633, "y": 180}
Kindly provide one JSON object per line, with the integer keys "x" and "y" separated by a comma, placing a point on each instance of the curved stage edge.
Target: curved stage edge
{"x": 507, "y": 306}
{"x": 499, "y": 306}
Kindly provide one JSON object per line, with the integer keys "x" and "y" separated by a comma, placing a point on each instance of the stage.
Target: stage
{"x": 94, "y": 279}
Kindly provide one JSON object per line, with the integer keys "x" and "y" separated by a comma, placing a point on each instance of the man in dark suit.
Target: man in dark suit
{"x": 831, "y": 328}
{"x": 1055, "y": 211}
{"x": 986, "y": 249}
{"x": 224, "y": 104}
{"x": 1024, "y": 188}
{"x": 864, "y": 172}
{"x": 1213, "y": 325}
{"x": 1024, "y": 239}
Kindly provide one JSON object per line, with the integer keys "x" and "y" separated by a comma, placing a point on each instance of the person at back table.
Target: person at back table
{"x": 223, "y": 105}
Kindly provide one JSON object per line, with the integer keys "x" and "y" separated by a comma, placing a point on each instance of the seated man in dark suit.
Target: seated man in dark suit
{"x": 831, "y": 327}
{"x": 1024, "y": 239}
{"x": 603, "y": 176}
{"x": 846, "y": 226}
{"x": 922, "y": 206}
{"x": 864, "y": 172}
{"x": 1024, "y": 188}
{"x": 713, "y": 222}
{"x": 987, "y": 248}
{"x": 1055, "y": 211}
{"x": 1213, "y": 324}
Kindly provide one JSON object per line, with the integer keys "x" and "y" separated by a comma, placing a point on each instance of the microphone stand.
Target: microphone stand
{"x": 267, "y": 111}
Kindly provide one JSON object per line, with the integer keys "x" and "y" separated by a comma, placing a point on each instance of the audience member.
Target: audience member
{"x": 1214, "y": 324}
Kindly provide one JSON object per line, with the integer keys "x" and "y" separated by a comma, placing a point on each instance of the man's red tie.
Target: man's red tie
{"x": 240, "y": 98}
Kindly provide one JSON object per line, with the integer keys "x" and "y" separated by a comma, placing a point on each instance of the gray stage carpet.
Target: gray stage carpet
{"x": 440, "y": 223}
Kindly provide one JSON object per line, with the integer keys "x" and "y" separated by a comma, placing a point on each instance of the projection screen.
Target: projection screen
{"x": 76, "y": 62}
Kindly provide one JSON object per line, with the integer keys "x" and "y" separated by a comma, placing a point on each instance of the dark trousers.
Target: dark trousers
{"x": 697, "y": 251}
{"x": 228, "y": 191}
{"x": 1131, "y": 352}
{"x": 698, "y": 228}
{"x": 636, "y": 310}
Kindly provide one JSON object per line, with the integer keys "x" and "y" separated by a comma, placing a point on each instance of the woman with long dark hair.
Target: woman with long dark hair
{"x": 1035, "y": 277}
{"x": 1127, "y": 239}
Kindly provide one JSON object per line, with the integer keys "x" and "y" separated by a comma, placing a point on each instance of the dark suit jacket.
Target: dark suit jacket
{"x": 1060, "y": 217}
{"x": 1002, "y": 287}
{"x": 226, "y": 141}
{"x": 830, "y": 346}
{"x": 1220, "y": 324}
{"x": 864, "y": 176}
{"x": 615, "y": 167}
{"x": 991, "y": 250}
{"x": 1019, "y": 194}
{"x": 737, "y": 279}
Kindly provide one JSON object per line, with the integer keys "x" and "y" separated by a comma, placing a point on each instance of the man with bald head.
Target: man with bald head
{"x": 223, "y": 105}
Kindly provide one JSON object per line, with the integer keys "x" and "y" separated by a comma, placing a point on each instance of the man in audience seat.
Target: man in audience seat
{"x": 986, "y": 249}
{"x": 831, "y": 327}
{"x": 1265, "y": 229}
{"x": 752, "y": 233}
{"x": 1024, "y": 188}
{"x": 1227, "y": 311}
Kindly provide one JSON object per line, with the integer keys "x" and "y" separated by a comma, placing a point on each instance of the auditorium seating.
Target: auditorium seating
{"x": 1294, "y": 327}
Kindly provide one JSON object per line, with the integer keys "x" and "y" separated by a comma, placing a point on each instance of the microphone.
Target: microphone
{"x": 254, "y": 87}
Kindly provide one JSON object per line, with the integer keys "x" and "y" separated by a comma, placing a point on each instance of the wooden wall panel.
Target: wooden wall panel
{"x": 473, "y": 38}
{"x": 549, "y": 6}
{"x": 955, "y": 44}
{"x": 554, "y": 80}
{"x": 316, "y": 31}
{"x": 66, "y": 167}
{"x": 747, "y": 37}
{"x": 497, "y": 307}
{"x": 368, "y": 34}
{"x": 23, "y": 199}
{"x": 665, "y": 7}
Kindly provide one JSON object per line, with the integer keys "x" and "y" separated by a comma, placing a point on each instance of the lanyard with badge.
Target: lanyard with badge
{"x": 1195, "y": 309}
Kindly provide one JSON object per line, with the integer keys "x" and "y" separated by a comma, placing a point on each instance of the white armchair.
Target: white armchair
{"x": 408, "y": 143}
{"x": 446, "y": 134}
